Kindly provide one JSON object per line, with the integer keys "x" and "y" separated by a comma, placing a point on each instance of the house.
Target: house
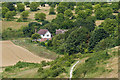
{"x": 60, "y": 31}
{"x": 45, "y": 35}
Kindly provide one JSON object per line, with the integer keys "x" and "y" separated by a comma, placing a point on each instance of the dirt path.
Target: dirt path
{"x": 12, "y": 53}
{"x": 71, "y": 70}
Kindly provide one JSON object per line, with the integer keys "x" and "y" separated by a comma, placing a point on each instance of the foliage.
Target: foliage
{"x": 96, "y": 36}
{"x": 9, "y": 15}
{"x": 90, "y": 65}
{"x": 29, "y": 30}
{"x": 52, "y": 11}
{"x": 20, "y": 7}
{"x": 68, "y": 13}
{"x": 24, "y": 15}
{"x": 33, "y": 6}
{"x": 110, "y": 25}
{"x": 82, "y": 14}
{"x": 77, "y": 41}
{"x": 103, "y": 13}
{"x": 9, "y": 5}
{"x": 10, "y": 33}
{"x": 4, "y": 11}
{"x": 35, "y": 36}
{"x": 106, "y": 43}
{"x": 40, "y": 16}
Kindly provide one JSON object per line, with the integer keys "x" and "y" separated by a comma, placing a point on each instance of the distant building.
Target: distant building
{"x": 60, "y": 31}
{"x": 45, "y": 35}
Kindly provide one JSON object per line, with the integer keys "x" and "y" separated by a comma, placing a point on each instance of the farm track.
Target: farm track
{"x": 12, "y": 53}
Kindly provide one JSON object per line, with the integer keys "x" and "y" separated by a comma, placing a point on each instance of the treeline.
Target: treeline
{"x": 83, "y": 35}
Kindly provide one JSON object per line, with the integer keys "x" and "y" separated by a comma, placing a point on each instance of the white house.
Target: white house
{"x": 45, "y": 35}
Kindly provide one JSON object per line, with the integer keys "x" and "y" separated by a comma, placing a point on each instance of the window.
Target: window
{"x": 47, "y": 35}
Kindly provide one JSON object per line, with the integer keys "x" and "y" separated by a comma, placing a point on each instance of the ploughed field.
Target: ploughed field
{"x": 12, "y": 53}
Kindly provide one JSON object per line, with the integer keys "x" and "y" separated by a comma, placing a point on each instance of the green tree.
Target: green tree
{"x": 52, "y": 11}
{"x": 27, "y": 4}
{"x": 24, "y": 15}
{"x": 20, "y": 7}
{"x": 96, "y": 37}
{"x": 82, "y": 14}
{"x": 97, "y": 6}
{"x": 78, "y": 8}
{"x": 103, "y": 13}
{"x": 40, "y": 16}
{"x": 61, "y": 8}
{"x": 76, "y": 41}
{"x": 9, "y": 15}
{"x": 35, "y": 36}
{"x": 109, "y": 25}
{"x": 88, "y": 12}
{"x": 4, "y": 11}
{"x": 9, "y": 5}
{"x": 34, "y": 6}
{"x": 68, "y": 13}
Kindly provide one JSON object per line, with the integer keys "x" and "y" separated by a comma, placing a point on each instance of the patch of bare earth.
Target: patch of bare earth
{"x": 12, "y": 53}
{"x": 98, "y": 22}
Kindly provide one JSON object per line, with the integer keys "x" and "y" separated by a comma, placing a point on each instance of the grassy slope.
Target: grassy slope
{"x": 106, "y": 69}
{"x": 34, "y": 48}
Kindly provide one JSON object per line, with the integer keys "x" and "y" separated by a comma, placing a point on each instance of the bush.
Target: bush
{"x": 52, "y": 11}
{"x": 43, "y": 63}
{"x": 19, "y": 20}
{"x": 106, "y": 43}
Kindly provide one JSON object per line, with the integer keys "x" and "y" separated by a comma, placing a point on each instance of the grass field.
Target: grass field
{"x": 13, "y": 24}
{"x": 34, "y": 48}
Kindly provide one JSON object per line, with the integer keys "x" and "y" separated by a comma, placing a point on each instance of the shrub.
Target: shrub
{"x": 52, "y": 11}
{"x": 19, "y": 20}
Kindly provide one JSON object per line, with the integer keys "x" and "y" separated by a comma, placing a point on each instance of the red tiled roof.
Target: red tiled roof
{"x": 44, "y": 39}
{"x": 42, "y": 31}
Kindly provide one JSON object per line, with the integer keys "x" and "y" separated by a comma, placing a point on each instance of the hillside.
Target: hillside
{"x": 12, "y": 53}
{"x": 104, "y": 68}
{"x": 107, "y": 67}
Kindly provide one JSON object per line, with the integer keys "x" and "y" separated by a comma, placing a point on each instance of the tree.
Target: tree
{"x": 97, "y": 6}
{"x": 82, "y": 14}
{"x": 9, "y": 15}
{"x": 29, "y": 30}
{"x": 78, "y": 8}
{"x": 96, "y": 37}
{"x": 33, "y": 6}
{"x": 76, "y": 41}
{"x": 4, "y": 11}
{"x": 109, "y": 25}
{"x": 20, "y": 7}
{"x": 52, "y": 10}
{"x": 103, "y": 13}
{"x": 68, "y": 13}
{"x": 35, "y": 36}
{"x": 24, "y": 15}
{"x": 9, "y": 5}
{"x": 40, "y": 16}
{"x": 88, "y": 12}
{"x": 61, "y": 8}
{"x": 27, "y": 4}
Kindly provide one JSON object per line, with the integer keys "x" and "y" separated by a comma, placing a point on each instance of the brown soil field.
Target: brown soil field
{"x": 12, "y": 53}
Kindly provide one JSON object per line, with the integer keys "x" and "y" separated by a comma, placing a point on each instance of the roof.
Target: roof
{"x": 59, "y": 31}
{"x": 42, "y": 31}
